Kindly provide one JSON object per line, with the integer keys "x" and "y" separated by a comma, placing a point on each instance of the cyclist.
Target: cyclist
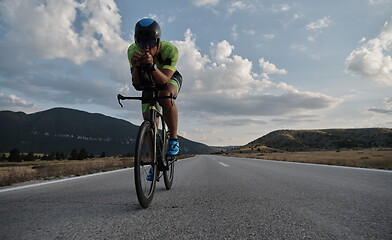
{"x": 161, "y": 58}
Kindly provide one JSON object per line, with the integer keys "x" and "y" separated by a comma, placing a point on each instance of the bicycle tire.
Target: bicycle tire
{"x": 144, "y": 160}
{"x": 168, "y": 175}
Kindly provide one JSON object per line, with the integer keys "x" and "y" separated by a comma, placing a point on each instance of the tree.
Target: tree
{"x": 83, "y": 154}
{"x": 3, "y": 158}
{"x": 30, "y": 157}
{"x": 14, "y": 156}
{"x": 52, "y": 156}
{"x": 74, "y": 154}
{"x": 103, "y": 155}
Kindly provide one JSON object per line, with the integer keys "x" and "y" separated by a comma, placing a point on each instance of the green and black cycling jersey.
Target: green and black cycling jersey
{"x": 165, "y": 59}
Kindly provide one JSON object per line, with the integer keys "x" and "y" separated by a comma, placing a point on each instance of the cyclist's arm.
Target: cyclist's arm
{"x": 160, "y": 76}
{"x": 163, "y": 76}
{"x": 135, "y": 69}
{"x": 136, "y": 81}
{"x": 134, "y": 58}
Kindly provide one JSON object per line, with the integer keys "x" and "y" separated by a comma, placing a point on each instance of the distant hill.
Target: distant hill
{"x": 62, "y": 129}
{"x": 325, "y": 139}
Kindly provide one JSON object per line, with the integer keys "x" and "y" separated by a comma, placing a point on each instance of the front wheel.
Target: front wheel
{"x": 144, "y": 161}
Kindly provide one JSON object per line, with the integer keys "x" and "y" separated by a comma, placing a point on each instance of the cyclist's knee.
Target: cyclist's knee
{"x": 170, "y": 89}
{"x": 167, "y": 102}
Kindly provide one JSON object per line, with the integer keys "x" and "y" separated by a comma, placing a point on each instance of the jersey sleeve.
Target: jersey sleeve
{"x": 172, "y": 54}
{"x": 132, "y": 50}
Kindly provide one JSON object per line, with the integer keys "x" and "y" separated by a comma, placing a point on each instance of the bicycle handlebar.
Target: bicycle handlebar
{"x": 121, "y": 97}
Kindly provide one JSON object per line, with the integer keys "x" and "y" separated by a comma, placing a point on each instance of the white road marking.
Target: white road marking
{"x": 225, "y": 165}
{"x": 320, "y": 165}
{"x": 61, "y": 180}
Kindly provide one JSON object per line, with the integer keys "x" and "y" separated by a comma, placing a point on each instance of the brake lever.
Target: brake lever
{"x": 119, "y": 98}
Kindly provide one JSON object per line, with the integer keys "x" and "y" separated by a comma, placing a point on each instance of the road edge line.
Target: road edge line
{"x": 61, "y": 180}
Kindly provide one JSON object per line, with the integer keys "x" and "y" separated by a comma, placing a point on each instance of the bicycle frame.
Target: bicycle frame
{"x": 153, "y": 114}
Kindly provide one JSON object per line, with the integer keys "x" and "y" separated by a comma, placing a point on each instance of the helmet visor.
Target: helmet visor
{"x": 147, "y": 43}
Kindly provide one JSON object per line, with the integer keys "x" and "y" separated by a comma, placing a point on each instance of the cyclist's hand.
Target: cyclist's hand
{"x": 148, "y": 59}
{"x": 137, "y": 59}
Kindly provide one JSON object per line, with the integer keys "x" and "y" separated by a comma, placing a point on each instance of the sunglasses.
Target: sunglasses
{"x": 149, "y": 43}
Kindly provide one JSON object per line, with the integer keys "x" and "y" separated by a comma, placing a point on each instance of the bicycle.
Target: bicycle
{"x": 151, "y": 147}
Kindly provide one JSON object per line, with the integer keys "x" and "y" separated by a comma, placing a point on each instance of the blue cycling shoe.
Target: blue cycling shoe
{"x": 150, "y": 174}
{"x": 174, "y": 148}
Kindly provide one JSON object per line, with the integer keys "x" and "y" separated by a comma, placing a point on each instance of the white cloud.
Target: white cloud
{"x": 371, "y": 60}
{"x": 250, "y": 32}
{"x": 155, "y": 17}
{"x": 171, "y": 19}
{"x": 280, "y": 8}
{"x": 191, "y": 58}
{"x": 296, "y": 119}
{"x": 315, "y": 57}
{"x": 221, "y": 51}
{"x": 236, "y": 122}
{"x": 54, "y": 62}
{"x": 377, "y": 2}
{"x": 311, "y": 39}
{"x": 387, "y": 109}
{"x": 234, "y": 33}
{"x": 162, "y": 19}
{"x": 269, "y": 36}
{"x": 319, "y": 24}
{"x": 249, "y": 6}
{"x": 205, "y": 3}
{"x": 85, "y": 32}
{"x": 388, "y": 102}
{"x": 237, "y": 5}
{"x": 16, "y": 103}
{"x": 270, "y": 68}
{"x": 226, "y": 84}
{"x": 48, "y": 30}
{"x": 298, "y": 47}
{"x": 297, "y": 16}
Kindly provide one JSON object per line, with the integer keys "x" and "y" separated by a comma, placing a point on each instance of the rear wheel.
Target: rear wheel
{"x": 144, "y": 160}
{"x": 168, "y": 174}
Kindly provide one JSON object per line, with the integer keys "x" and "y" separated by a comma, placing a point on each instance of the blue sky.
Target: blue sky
{"x": 249, "y": 67}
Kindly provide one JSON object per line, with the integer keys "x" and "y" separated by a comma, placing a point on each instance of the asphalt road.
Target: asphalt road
{"x": 212, "y": 197}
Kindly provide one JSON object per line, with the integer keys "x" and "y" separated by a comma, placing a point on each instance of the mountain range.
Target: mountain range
{"x": 325, "y": 139}
{"x": 63, "y": 129}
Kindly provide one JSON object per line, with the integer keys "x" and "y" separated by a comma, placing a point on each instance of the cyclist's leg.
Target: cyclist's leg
{"x": 170, "y": 112}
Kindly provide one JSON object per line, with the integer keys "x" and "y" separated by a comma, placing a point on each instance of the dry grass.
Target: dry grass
{"x": 16, "y": 172}
{"x": 12, "y": 172}
{"x": 366, "y": 158}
